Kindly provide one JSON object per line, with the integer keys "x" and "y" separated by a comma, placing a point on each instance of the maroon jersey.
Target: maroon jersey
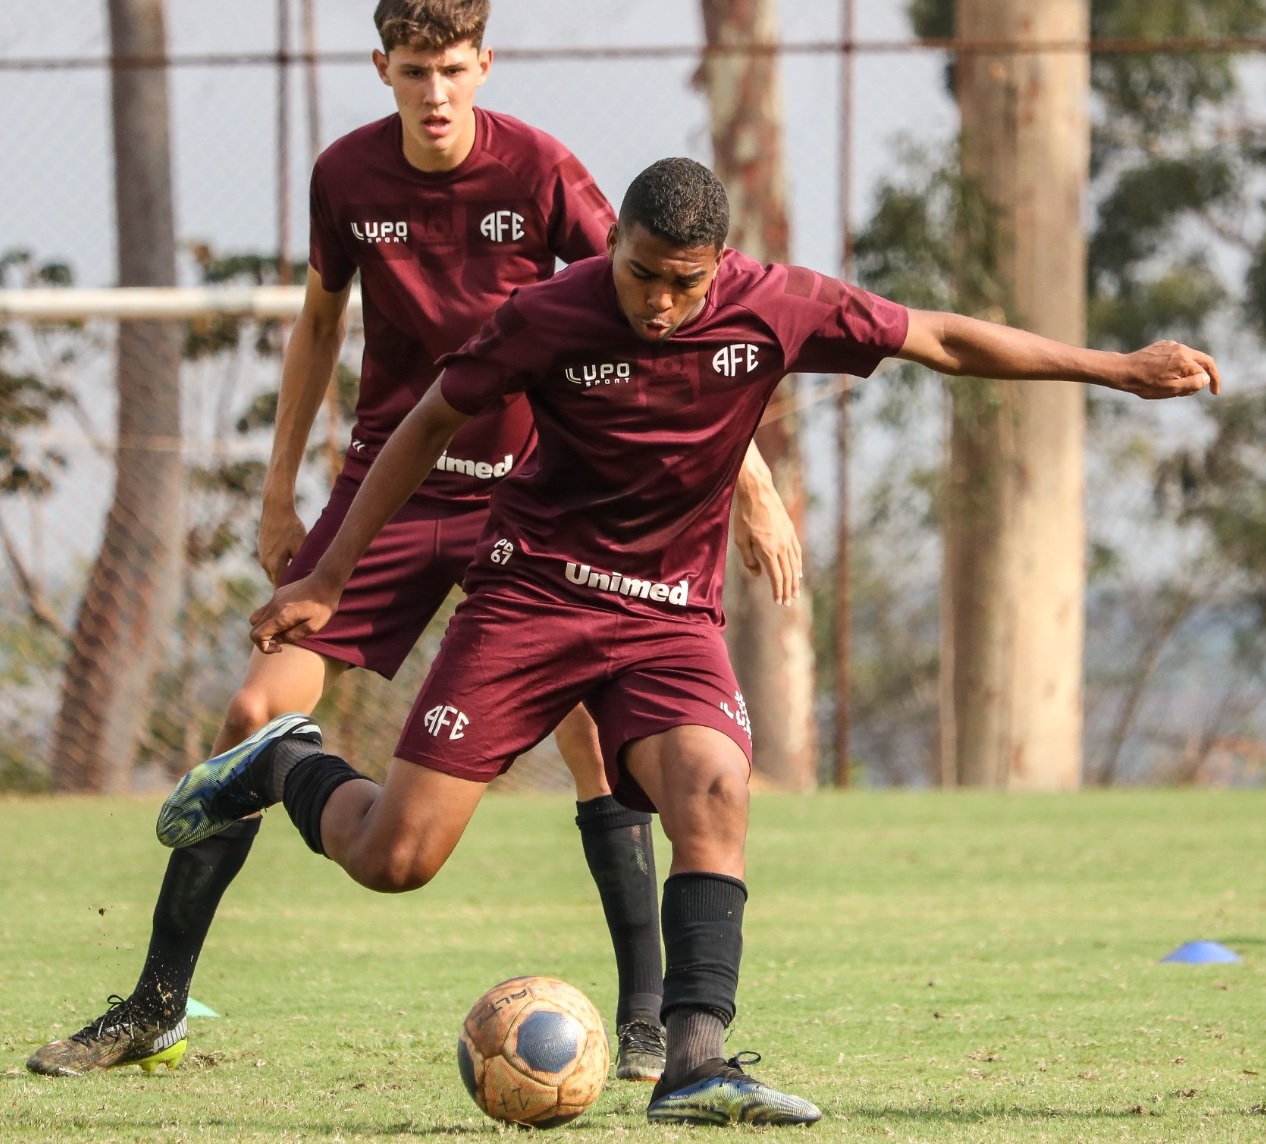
{"x": 437, "y": 253}
{"x": 626, "y": 503}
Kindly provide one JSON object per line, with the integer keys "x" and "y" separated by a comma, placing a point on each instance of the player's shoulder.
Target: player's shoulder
{"x": 744, "y": 280}
{"x": 361, "y": 145}
{"x": 529, "y": 154}
{"x": 571, "y": 292}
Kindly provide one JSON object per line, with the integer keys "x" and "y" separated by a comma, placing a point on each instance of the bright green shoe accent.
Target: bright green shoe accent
{"x": 230, "y": 786}
{"x": 169, "y": 1057}
{"x": 719, "y": 1092}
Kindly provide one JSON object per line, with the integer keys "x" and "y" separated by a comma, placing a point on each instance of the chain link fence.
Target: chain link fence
{"x": 256, "y": 89}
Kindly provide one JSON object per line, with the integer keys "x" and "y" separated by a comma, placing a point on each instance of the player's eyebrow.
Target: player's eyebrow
{"x": 684, "y": 279}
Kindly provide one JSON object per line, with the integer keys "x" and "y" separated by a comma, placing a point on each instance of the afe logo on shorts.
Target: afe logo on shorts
{"x": 381, "y": 231}
{"x": 738, "y": 712}
{"x": 445, "y": 718}
{"x": 502, "y": 226}
{"x": 728, "y": 361}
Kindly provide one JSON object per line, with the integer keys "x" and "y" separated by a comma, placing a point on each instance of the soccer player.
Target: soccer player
{"x": 443, "y": 209}
{"x": 647, "y": 371}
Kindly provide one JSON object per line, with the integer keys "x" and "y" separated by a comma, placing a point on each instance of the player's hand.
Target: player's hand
{"x": 295, "y": 611}
{"x": 281, "y": 532}
{"x": 1170, "y": 369}
{"x": 766, "y": 539}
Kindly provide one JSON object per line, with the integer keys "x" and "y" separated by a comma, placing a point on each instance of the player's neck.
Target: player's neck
{"x": 424, "y": 156}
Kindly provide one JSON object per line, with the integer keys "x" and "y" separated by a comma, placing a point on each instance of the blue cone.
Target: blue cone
{"x": 1202, "y": 953}
{"x": 198, "y": 1009}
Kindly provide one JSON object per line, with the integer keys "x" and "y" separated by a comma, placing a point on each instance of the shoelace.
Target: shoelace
{"x": 115, "y": 1022}
{"x": 740, "y": 1059}
{"x": 642, "y": 1037}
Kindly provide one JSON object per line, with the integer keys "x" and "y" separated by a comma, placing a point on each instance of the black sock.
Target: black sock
{"x": 620, "y": 852}
{"x": 703, "y": 944}
{"x": 694, "y": 1036}
{"x": 196, "y": 879}
{"x": 309, "y": 784}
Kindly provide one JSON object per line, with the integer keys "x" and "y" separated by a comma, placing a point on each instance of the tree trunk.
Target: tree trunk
{"x": 1014, "y": 587}
{"x": 128, "y": 605}
{"x": 771, "y": 646}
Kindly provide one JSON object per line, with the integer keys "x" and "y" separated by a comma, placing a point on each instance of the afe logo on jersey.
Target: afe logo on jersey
{"x": 608, "y": 373}
{"x": 381, "y": 231}
{"x": 729, "y": 360}
{"x": 502, "y": 226}
{"x": 445, "y": 717}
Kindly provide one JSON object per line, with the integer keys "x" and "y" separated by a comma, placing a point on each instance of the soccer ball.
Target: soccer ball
{"x": 533, "y": 1051}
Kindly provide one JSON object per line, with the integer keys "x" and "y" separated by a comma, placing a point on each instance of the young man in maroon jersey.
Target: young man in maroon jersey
{"x": 443, "y": 209}
{"x": 647, "y": 371}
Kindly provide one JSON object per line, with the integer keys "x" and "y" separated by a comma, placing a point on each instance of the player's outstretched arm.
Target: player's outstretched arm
{"x": 311, "y": 353}
{"x": 299, "y": 609}
{"x": 763, "y": 532}
{"x": 967, "y": 347}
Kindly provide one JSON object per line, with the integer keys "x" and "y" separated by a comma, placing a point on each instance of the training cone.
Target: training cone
{"x": 198, "y": 1009}
{"x": 1202, "y": 953}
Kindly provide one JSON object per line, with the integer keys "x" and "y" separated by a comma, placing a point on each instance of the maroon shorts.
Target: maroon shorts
{"x": 400, "y": 583}
{"x": 514, "y": 662}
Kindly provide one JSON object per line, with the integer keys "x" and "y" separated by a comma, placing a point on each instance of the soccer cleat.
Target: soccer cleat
{"x": 120, "y": 1036}
{"x": 217, "y": 793}
{"x": 720, "y": 1092}
{"x": 640, "y": 1055}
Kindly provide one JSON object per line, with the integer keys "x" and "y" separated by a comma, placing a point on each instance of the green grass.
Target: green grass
{"x": 926, "y": 967}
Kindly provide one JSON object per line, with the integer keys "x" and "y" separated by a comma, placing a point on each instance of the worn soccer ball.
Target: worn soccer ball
{"x": 533, "y": 1051}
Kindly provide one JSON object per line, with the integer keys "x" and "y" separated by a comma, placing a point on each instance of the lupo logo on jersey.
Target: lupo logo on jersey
{"x": 606, "y": 373}
{"x": 502, "y": 226}
{"x": 728, "y": 361}
{"x": 381, "y": 231}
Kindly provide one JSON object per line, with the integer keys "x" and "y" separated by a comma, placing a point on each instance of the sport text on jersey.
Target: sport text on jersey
{"x": 482, "y": 470}
{"x": 397, "y": 231}
{"x": 619, "y": 585}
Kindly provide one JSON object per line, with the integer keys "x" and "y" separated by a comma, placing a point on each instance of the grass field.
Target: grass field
{"x": 925, "y": 967}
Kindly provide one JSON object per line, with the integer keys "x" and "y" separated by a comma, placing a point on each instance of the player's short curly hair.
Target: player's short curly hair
{"x": 679, "y": 200}
{"x": 431, "y": 25}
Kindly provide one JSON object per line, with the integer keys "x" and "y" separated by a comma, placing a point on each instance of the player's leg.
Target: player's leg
{"x": 476, "y": 712}
{"x": 619, "y": 850}
{"x": 697, "y": 777}
{"x": 148, "y": 1027}
{"x": 674, "y": 720}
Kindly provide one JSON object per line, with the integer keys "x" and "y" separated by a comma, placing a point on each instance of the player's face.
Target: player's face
{"x": 435, "y": 93}
{"x": 660, "y": 286}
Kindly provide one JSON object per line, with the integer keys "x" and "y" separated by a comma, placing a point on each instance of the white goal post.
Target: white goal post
{"x": 157, "y": 303}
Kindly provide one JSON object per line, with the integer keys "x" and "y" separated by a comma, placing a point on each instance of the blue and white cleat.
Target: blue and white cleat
{"x": 720, "y": 1092}
{"x": 217, "y": 793}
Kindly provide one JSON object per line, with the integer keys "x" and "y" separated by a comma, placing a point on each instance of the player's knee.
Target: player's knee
{"x": 247, "y": 712}
{"x": 399, "y": 869}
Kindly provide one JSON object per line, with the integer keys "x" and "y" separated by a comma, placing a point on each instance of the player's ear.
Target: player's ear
{"x": 485, "y": 63}
{"x": 381, "y": 62}
{"x": 613, "y": 236}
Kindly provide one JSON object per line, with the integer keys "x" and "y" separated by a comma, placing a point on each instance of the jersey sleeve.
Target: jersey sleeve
{"x": 580, "y": 215}
{"x": 494, "y": 366}
{"x": 828, "y": 326}
{"x": 326, "y": 252}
